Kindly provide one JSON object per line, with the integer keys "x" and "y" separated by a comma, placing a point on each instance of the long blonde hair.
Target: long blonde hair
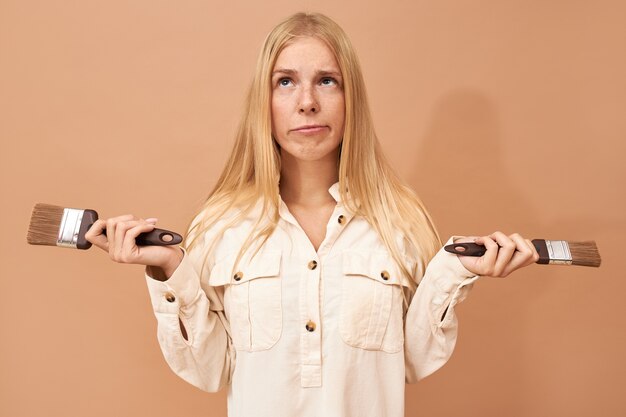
{"x": 252, "y": 172}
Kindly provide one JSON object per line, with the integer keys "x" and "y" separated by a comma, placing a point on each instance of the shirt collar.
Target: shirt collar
{"x": 283, "y": 210}
{"x": 334, "y": 192}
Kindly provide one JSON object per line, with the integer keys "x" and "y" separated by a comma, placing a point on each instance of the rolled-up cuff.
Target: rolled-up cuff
{"x": 181, "y": 289}
{"x": 452, "y": 282}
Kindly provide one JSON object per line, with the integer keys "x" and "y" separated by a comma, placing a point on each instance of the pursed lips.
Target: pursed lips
{"x": 309, "y": 129}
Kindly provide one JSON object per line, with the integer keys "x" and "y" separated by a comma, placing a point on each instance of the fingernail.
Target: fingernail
{"x": 152, "y": 220}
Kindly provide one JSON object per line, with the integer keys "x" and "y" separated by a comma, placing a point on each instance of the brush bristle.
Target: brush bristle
{"x": 44, "y": 224}
{"x": 585, "y": 253}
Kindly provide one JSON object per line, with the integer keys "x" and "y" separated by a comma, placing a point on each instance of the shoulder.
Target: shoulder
{"x": 227, "y": 215}
{"x": 214, "y": 227}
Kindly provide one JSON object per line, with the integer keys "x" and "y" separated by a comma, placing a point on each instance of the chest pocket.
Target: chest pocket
{"x": 372, "y": 302}
{"x": 252, "y": 299}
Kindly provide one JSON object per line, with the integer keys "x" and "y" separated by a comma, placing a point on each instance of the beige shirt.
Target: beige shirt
{"x": 298, "y": 332}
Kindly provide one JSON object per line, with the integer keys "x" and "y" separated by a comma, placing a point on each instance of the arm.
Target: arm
{"x": 431, "y": 324}
{"x": 192, "y": 329}
{"x": 192, "y": 326}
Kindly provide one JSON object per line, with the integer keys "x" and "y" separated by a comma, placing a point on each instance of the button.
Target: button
{"x": 341, "y": 219}
{"x": 384, "y": 275}
{"x": 238, "y": 276}
{"x": 170, "y": 297}
{"x": 310, "y": 326}
{"x": 312, "y": 265}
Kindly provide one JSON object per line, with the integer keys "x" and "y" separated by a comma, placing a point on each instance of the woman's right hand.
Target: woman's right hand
{"x": 119, "y": 242}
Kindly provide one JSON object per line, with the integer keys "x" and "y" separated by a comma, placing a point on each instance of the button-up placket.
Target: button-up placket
{"x": 311, "y": 289}
{"x": 311, "y": 329}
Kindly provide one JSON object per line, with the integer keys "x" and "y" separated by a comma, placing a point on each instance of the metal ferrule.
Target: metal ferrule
{"x": 70, "y": 226}
{"x": 558, "y": 251}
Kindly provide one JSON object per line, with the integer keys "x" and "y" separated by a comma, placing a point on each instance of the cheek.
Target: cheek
{"x": 339, "y": 110}
{"x": 278, "y": 114}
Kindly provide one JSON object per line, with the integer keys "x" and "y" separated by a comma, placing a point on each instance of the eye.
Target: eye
{"x": 285, "y": 82}
{"x": 328, "y": 81}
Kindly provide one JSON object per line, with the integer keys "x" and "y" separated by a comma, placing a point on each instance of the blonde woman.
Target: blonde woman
{"x": 311, "y": 282}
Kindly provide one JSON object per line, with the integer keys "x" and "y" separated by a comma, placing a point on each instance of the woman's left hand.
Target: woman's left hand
{"x": 504, "y": 254}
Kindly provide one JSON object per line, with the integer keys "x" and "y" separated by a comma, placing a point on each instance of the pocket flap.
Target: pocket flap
{"x": 379, "y": 266}
{"x": 264, "y": 264}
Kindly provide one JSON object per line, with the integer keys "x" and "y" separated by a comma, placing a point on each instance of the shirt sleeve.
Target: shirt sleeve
{"x": 201, "y": 354}
{"x": 431, "y": 324}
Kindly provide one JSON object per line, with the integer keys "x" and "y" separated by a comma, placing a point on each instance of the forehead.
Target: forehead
{"x": 306, "y": 51}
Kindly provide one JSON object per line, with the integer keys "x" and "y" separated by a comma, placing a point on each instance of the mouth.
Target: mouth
{"x": 310, "y": 129}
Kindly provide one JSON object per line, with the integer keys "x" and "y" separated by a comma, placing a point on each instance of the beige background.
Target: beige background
{"x": 503, "y": 115}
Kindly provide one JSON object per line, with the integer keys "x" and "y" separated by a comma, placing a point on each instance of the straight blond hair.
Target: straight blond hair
{"x": 252, "y": 172}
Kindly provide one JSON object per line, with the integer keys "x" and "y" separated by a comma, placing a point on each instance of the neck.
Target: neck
{"x": 306, "y": 183}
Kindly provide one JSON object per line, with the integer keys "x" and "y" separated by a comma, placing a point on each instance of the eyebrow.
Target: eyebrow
{"x": 290, "y": 71}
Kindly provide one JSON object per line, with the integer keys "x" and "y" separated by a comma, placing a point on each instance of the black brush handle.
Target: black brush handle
{"x": 156, "y": 237}
{"x": 474, "y": 249}
{"x": 466, "y": 249}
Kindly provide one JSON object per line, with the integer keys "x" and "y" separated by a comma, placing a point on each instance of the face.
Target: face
{"x": 308, "y": 107}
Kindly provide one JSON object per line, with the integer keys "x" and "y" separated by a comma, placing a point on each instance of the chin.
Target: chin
{"x": 310, "y": 155}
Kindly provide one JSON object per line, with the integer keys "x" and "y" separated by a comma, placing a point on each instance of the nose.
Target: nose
{"x": 308, "y": 101}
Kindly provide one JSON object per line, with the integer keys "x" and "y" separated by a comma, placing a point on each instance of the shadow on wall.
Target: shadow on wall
{"x": 461, "y": 174}
{"x": 524, "y": 336}
{"x": 460, "y": 171}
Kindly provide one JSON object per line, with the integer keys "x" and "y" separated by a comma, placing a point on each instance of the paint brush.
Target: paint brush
{"x": 552, "y": 252}
{"x": 66, "y": 227}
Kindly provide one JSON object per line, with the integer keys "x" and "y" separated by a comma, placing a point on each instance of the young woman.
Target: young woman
{"x": 311, "y": 282}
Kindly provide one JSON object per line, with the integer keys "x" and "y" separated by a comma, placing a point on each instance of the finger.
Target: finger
{"x": 120, "y": 235}
{"x": 488, "y": 260}
{"x": 111, "y": 226}
{"x": 533, "y": 249}
{"x": 96, "y": 235}
{"x": 531, "y": 255}
{"x": 505, "y": 253}
{"x": 130, "y": 248}
{"x": 122, "y": 218}
{"x": 524, "y": 255}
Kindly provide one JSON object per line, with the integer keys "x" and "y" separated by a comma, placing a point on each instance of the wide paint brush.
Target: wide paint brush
{"x": 552, "y": 252}
{"x": 66, "y": 227}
